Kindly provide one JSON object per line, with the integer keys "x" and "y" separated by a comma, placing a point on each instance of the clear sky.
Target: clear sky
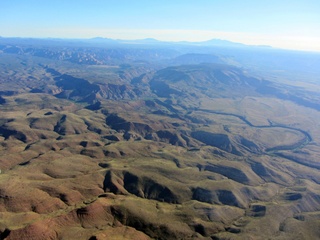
{"x": 293, "y": 24}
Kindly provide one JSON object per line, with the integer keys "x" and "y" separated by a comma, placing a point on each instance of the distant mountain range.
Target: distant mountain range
{"x": 143, "y": 139}
{"x": 146, "y": 41}
{"x": 211, "y": 42}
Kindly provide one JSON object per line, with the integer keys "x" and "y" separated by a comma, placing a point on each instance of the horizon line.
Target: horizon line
{"x": 165, "y": 41}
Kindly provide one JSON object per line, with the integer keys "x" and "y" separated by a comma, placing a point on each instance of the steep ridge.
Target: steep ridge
{"x": 85, "y": 187}
{"x": 180, "y": 159}
{"x": 212, "y": 80}
{"x": 78, "y": 89}
{"x": 220, "y": 80}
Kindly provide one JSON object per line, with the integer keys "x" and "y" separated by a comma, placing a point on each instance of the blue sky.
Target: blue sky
{"x": 293, "y": 24}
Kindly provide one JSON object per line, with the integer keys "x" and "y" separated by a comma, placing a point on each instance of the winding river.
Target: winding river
{"x": 298, "y": 145}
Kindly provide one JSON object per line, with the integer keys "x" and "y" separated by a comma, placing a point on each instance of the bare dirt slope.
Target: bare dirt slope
{"x": 150, "y": 151}
{"x": 73, "y": 173}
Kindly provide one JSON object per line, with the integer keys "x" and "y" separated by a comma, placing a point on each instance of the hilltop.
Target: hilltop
{"x": 157, "y": 142}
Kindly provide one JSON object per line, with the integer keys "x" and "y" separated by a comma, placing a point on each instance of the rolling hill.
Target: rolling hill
{"x": 142, "y": 146}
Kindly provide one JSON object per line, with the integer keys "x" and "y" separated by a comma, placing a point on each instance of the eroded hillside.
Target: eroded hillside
{"x": 193, "y": 151}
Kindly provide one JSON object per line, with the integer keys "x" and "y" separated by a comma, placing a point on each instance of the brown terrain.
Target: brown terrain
{"x": 192, "y": 151}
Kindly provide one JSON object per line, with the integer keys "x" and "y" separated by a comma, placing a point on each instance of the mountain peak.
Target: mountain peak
{"x": 227, "y": 43}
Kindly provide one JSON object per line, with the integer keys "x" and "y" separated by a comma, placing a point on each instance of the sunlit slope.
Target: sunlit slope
{"x": 91, "y": 176}
{"x": 181, "y": 152}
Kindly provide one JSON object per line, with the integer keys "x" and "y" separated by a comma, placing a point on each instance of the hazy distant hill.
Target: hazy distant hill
{"x": 103, "y": 138}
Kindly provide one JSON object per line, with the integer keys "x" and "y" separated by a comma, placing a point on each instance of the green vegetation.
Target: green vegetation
{"x": 154, "y": 150}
